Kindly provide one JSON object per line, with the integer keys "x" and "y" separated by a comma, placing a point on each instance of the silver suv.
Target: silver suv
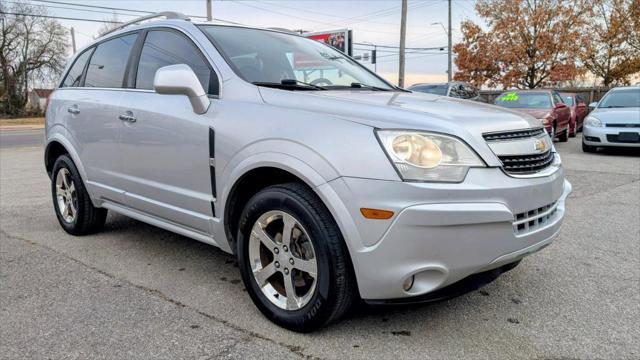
{"x": 328, "y": 183}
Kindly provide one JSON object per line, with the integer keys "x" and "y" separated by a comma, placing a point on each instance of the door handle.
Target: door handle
{"x": 128, "y": 116}
{"x": 73, "y": 110}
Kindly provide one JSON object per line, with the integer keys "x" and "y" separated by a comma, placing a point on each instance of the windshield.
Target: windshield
{"x": 518, "y": 100}
{"x": 269, "y": 57}
{"x": 568, "y": 100}
{"x": 431, "y": 89}
{"x": 621, "y": 99}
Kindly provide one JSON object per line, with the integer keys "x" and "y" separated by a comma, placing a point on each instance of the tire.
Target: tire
{"x": 588, "y": 148}
{"x": 85, "y": 218}
{"x": 334, "y": 290}
{"x": 564, "y": 137}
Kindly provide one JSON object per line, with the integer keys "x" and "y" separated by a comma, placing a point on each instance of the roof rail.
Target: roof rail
{"x": 170, "y": 15}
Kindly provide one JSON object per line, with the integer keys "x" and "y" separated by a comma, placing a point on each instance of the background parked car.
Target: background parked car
{"x": 579, "y": 111}
{"x": 545, "y": 105}
{"x": 615, "y": 120}
{"x": 456, "y": 89}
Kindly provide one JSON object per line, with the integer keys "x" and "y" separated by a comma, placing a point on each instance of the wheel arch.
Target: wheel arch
{"x": 58, "y": 145}
{"x": 254, "y": 174}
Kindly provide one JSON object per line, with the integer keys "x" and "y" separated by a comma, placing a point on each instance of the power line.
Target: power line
{"x": 92, "y": 6}
{"x": 70, "y": 8}
{"x": 61, "y": 17}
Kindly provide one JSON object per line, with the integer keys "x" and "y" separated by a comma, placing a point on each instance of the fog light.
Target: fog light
{"x": 408, "y": 283}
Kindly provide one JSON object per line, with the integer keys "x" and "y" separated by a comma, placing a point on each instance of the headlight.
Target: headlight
{"x": 419, "y": 156}
{"x": 593, "y": 122}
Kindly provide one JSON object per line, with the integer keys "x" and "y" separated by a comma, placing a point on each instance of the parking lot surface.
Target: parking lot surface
{"x": 135, "y": 291}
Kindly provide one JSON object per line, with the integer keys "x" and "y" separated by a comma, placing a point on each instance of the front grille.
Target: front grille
{"x": 616, "y": 139}
{"x": 623, "y": 125}
{"x": 531, "y": 220}
{"x": 524, "y": 164}
{"x": 511, "y": 135}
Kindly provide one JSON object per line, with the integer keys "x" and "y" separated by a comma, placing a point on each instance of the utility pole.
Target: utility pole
{"x": 449, "y": 74}
{"x": 73, "y": 39}
{"x": 403, "y": 36}
{"x": 209, "y": 14}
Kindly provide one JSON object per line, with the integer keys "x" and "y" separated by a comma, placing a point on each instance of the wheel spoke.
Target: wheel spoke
{"x": 65, "y": 212}
{"x": 65, "y": 179}
{"x": 72, "y": 209}
{"x": 72, "y": 188}
{"x": 308, "y": 266}
{"x": 264, "y": 273}
{"x": 259, "y": 233}
{"x": 60, "y": 191}
{"x": 292, "y": 299}
{"x": 289, "y": 222}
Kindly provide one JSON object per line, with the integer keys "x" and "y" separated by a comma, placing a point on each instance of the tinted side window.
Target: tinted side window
{"x": 109, "y": 62}
{"x": 163, "y": 48}
{"x": 75, "y": 73}
{"x": 557, "y": 99}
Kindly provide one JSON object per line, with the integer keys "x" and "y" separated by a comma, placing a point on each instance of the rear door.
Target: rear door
{"x": 166, "y": 151}
{"x": 94, "y": 120}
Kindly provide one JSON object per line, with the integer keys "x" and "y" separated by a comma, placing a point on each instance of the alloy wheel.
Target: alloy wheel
{"x": 283, "y": 260}
{"x": 66, "y": 196}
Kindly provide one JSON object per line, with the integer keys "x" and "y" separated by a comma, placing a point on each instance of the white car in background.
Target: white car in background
{"x": 614, "y": 121}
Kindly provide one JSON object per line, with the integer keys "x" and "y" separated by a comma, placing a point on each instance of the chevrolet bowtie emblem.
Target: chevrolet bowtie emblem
{"x": 539, "y": 145}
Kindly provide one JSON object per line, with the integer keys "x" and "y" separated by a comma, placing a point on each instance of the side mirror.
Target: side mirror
{"x": 593, "y": 105}
{"x": 181, "y": 80}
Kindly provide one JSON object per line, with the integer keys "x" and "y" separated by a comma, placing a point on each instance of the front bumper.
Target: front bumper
{"x": 607, "y": 136}
{"x": 442, "y": 233}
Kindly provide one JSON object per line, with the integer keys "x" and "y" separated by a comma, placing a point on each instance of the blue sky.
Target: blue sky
{"x": 375, "y": 21}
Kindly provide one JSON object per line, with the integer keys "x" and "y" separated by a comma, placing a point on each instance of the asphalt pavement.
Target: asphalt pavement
{"x": 21, "y": 138}
{"x": 135, "y": 291}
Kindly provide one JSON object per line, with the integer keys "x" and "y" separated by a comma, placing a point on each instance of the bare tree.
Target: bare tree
{"x": 31, "y": 47}
{"x": 109, "y": 24}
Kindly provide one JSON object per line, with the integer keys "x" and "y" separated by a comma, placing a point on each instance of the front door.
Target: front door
{"x": 165, "y": 145}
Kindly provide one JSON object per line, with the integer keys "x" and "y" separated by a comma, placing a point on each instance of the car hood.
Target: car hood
{"x": 536, "y": 113}
{"x": 465, "y": 119}
{"x": 420, "y": 111}
{"x": 617, "y": 115}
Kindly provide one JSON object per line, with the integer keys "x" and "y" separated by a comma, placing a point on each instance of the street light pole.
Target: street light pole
{"x": 403, "y": 36}
{"x": 449, "y": 74}
{"x": 209, "y": 12}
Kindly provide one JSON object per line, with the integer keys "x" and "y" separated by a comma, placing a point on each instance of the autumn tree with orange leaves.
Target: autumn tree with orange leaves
{"x": 612, "y": 49}
{"x": 527, "y": 43}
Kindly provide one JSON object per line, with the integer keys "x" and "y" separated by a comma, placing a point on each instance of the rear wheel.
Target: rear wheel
{"x": 74, "y": 210}
{"x": 293, "y": 260}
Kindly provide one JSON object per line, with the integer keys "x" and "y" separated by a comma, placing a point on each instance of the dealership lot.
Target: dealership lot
{"x": 135, "y": 291}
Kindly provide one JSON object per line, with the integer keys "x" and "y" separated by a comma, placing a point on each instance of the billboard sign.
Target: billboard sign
{"x": 339, "y": 39}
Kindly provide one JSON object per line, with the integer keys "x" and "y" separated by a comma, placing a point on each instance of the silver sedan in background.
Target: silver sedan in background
{"x": 615, "y": 120}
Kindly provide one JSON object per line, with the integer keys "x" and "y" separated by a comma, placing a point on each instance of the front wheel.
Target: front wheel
{"x": 588, "y": 148}
{"x": 74, "y": 210}
{"x": 564, "y": 136}
{"x": 293, "y": 259}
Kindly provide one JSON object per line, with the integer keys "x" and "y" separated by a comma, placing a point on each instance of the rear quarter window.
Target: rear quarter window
{"x": 74, "y": 76}
{"x": 109, "y": 62}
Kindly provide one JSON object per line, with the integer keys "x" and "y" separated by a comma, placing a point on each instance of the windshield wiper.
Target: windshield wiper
{"x": 290, "y": 84}
{"x": 357, "y": 85}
